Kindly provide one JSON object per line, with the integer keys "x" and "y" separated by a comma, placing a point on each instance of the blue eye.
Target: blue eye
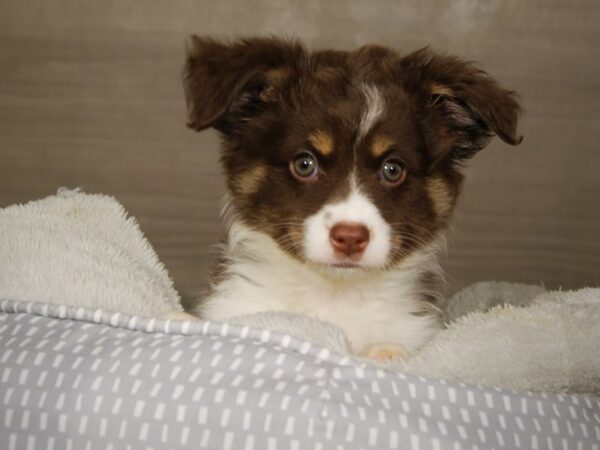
{"x": 304, "y": 167}
{"x": 393, "y": 172}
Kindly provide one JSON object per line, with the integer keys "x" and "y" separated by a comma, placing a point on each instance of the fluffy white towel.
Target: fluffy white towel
{"x": 78, "y": 249}
{"x": 522, "y": 338}
{"x": 500, "y": 334}
{"x": 82, "y": 250}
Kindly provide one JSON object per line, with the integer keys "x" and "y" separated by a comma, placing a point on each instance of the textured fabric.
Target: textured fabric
{"x": 81, "y": 250}
{"x": 80, "y": 379}
{"x": 499, "y": 334}
{"x": 518, "y": 337}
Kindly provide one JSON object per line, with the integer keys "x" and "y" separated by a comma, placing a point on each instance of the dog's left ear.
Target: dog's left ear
{"x": 225, "y": 83}
{"x": 462, "y": 107}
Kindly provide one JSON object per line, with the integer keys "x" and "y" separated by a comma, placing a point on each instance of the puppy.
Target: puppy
{"x": 342, "y": 169}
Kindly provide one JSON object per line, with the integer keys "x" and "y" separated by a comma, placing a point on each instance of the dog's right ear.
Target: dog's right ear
{"x": 462, "y": 107}
{"x": 225, "y": 84}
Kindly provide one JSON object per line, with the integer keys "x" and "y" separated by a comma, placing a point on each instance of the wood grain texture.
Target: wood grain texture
{"x": 90, "y": 96}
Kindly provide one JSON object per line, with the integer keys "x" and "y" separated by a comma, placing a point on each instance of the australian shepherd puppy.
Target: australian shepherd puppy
{"x": 342, "y": 172}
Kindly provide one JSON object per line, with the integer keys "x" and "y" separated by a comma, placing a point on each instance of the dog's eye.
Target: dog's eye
{"x": 304, "y": 167}
{"x": 393, "y": 172}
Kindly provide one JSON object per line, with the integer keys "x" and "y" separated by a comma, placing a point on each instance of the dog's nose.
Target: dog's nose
{"x": 351, "y": 239}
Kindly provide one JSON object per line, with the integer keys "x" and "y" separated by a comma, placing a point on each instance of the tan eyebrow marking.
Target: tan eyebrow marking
{"x": 380, "y": 145}
{"x": 248, "y": 182}
{"x": 322, "y": 142}
{"x": 440, "y": 195}
{"x": 438, "y": 89}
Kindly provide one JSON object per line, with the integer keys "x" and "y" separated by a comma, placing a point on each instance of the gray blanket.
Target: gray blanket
{"x": 79, "y": 379}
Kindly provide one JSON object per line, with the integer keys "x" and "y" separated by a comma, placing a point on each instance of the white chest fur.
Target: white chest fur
{"x": 371, "y": 307}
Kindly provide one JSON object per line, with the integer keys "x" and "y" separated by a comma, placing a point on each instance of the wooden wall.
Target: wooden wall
{"x": 90, "y": 96}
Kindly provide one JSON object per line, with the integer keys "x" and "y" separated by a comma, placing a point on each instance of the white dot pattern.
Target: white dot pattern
{"x": 71, "y": 378}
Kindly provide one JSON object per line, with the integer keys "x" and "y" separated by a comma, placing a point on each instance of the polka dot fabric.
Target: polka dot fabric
{"x": 79, "y": 379}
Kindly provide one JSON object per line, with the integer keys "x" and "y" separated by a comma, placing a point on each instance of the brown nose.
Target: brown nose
{"x": 349, "y": 238}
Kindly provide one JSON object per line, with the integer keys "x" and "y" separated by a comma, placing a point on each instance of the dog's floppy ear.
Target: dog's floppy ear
{"x": 462, "y": 107}
{"x": 225, "y": 83}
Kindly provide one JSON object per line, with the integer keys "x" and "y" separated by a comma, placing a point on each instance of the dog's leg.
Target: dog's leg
{"x": 179, "y": 315}
{"x": 385, "y": 352}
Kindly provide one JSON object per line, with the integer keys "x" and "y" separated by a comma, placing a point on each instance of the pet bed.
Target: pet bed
{"x": 85, "y": 363}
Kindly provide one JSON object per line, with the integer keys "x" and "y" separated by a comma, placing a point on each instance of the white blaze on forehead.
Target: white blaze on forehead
{"x": 356, "y": 208}
{"x": 374, "y": 108}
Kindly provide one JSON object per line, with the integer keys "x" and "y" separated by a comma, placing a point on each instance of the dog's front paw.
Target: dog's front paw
{"x": 385, "y": 352}
{"x": 178, "y": 315}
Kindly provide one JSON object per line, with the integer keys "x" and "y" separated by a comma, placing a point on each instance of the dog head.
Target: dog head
{"x": 345, "y": 159}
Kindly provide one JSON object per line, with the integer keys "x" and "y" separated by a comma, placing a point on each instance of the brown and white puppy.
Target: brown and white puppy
{"x": 342, "y": 172}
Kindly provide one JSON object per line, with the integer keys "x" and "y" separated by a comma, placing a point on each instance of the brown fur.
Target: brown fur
{"x": 267, "y": 97}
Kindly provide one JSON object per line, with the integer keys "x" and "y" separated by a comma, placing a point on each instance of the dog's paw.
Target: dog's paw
{"x": 178, "y": 315}
{"x": 385, "y": 352}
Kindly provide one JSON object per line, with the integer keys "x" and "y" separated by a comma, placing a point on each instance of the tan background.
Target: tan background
{"x": 90, "y": 96}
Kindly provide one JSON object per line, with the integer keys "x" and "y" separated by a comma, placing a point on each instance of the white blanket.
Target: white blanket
{"x": 82, "y": 250}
